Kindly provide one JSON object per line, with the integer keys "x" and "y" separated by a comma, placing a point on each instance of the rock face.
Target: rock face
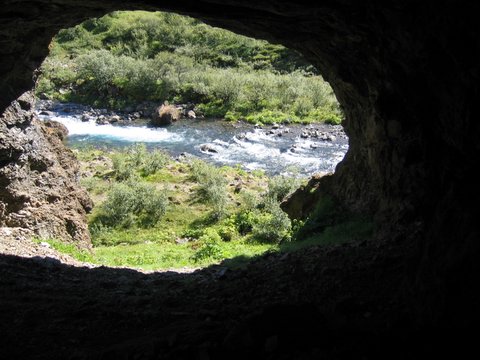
{"x": 39, "y": 189}
{"x": 407, "y": 75}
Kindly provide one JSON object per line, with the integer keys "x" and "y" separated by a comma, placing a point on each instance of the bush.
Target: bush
{"x": 272, "y": 226}
{"x": 154, "y": 162}
{"x": 94, "y": 185}
{"x": 210, "y": 248}
{"x": 245, "y": 221}
{"x": 212, "y": 187}
{"x": 228, "y": 229}
{"x": 271, "y": 117}
{"x": 137, "y": 160}
{"x": 136, "y": 155}
{"x": 280, "y": 186}
{"x": 214, "y": 109}
{"x": 132, "y": 204}
{"x": 262, "y": 217}
{"x": 326, "y": 115}
{"x": 123, "y": 170}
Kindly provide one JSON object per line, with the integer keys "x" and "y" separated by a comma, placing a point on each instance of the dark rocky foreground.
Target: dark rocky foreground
{"x": 407, "y": 74}
{"x": 338, "y": 303}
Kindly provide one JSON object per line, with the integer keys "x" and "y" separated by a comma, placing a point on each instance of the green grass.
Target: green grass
{"x": 153, "y": 250}
{"x": 189, "y": 234}
{"x": 348, "y": 231}
{"x": 69, "y": 249}
{"x": 171, "y": 255}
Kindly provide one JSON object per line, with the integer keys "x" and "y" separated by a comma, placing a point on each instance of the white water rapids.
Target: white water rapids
{"x": 273, "y": 150}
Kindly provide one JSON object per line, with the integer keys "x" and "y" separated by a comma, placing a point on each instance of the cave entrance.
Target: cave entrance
{"x": 407, "y": 78}
{"x": 189, "y": 136}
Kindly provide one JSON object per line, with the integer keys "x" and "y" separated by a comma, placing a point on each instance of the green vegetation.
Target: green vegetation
{"x": 169, "y": 218}
{"x": 331, "y": 224}
{"x": 179, "y": 213}
{"x": 132, "y": 204}
{"x": 69, "y": 249}
{"x": 125, "y": 58}
{"x": 212, "y": 187}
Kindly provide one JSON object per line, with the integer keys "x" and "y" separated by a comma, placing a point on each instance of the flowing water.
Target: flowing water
{"x": 276, "y": 151}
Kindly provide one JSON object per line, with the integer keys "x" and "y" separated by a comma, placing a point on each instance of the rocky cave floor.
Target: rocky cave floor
{"x": 338, "y": 302}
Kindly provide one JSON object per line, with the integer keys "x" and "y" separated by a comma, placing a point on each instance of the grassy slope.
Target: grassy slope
{"x": 164, "y": 245}
{"x": 187, "y": 236}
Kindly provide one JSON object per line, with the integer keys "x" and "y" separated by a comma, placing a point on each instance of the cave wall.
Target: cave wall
{"x": 406, "y": 73}
{"x": 40, "y": 194}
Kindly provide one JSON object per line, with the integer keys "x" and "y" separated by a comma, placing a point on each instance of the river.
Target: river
{"x": 293, "y": 148}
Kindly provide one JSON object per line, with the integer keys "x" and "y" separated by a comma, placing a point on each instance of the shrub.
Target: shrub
{"x": 303, "y": 106}
{"x": 326, "y": 115}
{"x": 154, "y": 162}
{"x": 192, "y": 233}
{"x": 216, "y": 109}
{"x": 233, "y": 116}
{"x": 137, "y": 155}
{"x": 212, "y": 187}
{"x": 326, "y": 213}
{"x": 271, "y": 117}
{"x": 280, "y": 186}
{"x": 94, "y": 185}
{"x": 132, "y": 204}
{"x": 210, "y": 248}
{"x": 201, "y": 170}
{"x": 245, "y": 221}
{"x": 228, "y": 229}
{"x": 137, "y": 159}
{"x": 123, "y": 170}
{"x": 272, "y": 226}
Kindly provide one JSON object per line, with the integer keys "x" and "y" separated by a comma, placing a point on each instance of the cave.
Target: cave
{"x": 406, "y": 74}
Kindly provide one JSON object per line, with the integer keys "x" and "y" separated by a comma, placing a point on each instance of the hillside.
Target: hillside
{"x": 127, "y": 58}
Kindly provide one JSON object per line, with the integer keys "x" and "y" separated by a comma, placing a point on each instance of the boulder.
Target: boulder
{"x": 302, "y": 201}
{"x": 165, "y": 115}
{"x": 101, "y": 120}
{"x": 40, "y": 189}
{"x": 208, "y": 148}
{"x": 114, "y": 119}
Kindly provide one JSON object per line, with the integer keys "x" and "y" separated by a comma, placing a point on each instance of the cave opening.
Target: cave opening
{"x": 406, "y": 74}
{"x": 150, "y": 100}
